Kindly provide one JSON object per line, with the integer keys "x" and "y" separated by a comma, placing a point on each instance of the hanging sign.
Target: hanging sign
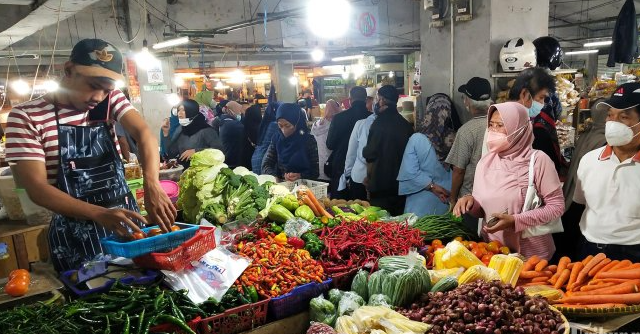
{"x": 369, "y": 63}
{"x": 154, "y": 74}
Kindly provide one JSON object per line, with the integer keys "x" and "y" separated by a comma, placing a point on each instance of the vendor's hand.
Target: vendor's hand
{"x": 443, "y": 194}
{"x": 463, "y": 206}
{"x": 292, "y": 176}
{"x": 159, "y": 207}
{"x": 186, "y": 155}
{"x": 117, "y": 220}
{"x": 505, "y": 221}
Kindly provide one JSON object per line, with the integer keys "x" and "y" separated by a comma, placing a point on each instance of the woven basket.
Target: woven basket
{"x": 610, "y": 312}
{"x": 567, "y": 327}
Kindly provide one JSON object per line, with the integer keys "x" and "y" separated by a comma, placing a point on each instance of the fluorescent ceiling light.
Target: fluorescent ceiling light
{"x": 354, "y": 57}
{"x": 171, "y": 42}
{"x": 338, "y": 10}
{"x": 600, "y": 43}
{"x": 580, "y": 52}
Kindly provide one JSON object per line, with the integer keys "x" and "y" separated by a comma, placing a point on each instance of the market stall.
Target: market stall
{"x": 253, "y": 255}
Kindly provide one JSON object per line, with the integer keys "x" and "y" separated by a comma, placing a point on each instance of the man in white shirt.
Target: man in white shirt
{"x": 608, "y": 182}
{"x": 355, "y": 168}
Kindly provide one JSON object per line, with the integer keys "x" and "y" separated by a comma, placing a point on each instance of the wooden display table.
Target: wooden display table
{"x": 24, "y": 244}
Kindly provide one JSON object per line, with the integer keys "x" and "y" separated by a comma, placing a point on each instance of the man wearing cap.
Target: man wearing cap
{"x": 338, "y": 137}
{"x": 66, "y": 157}
{"x": 608, "y": 182}
{"x": 387, "y": 140}
{"x": 467, "y": 147}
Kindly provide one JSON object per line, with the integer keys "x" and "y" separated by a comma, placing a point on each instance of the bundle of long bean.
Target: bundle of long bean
{"x": 444, "y": 226}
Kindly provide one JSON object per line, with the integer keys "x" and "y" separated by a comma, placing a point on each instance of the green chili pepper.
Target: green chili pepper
{"x": 164, "y": 318}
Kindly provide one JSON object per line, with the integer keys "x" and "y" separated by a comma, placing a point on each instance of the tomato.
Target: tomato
{"x": 439, "y": 247}
{"x": 472, "y": 245}
{"x": 19, "y": 273}
{"x": 459, "y": 239}
{"x": 138, "y": 235}
{"x": 436, "y": 243}
{"x": 505, "y": 250}
{"x": 493, "y": 247}
{"x": 478, "y": 253}
{"x": 482, "y": 245}
{"x": 153, "y": 232}
{"x": 17, "y": 287}
{"x": 465, "y": 244}
{"x": 175, "y": 228}
{"x": 486, "y": 258}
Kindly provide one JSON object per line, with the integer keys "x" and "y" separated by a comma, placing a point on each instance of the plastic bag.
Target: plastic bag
{"x": 349, "y": 302}
{"x": 437, "y": 275}
{"x": 379, "y": 300}
{"x": 296, "y": 227}
{"x": 478, "y": 272}
{"x": 368, "y": 316}
{"x": 346, "y": 325}
{"x": 374, "y": 286}
{"x": 231, "y": 231}
{"x": 322, "y": 310}
{"x": 359, "y": 284}
{"x": 219, "y": 270}
{"x": 409, "y": 218}
{"x": 335, "y": 295}
{"x": 320, "y": 328}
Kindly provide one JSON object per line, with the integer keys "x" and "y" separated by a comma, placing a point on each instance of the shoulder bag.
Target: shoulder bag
{"x": 533, "y": 201}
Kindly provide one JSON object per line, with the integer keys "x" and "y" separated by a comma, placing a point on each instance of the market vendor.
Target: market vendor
{"x": 67, "y": 159}
{"x": 608, "y": 182}
{"x": 501, "y": 183}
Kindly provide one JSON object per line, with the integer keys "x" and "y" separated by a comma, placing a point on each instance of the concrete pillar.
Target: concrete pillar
{"x": 476, "y": 44}
{"x": 281, "y": 74}
{"x": 592, "y": 67}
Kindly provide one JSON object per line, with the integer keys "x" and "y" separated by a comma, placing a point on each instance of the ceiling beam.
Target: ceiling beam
{"x": 590, "y": 22}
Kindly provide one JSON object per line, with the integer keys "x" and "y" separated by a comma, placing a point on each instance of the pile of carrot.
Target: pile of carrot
{"x": 594, "y": 282}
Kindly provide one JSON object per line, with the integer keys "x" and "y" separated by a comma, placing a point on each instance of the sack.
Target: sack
{"x": 532, "y": 201}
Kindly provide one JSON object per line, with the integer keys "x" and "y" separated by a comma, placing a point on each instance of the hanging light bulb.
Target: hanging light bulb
{"x": 391, "y": 74}
{"x": 120, "y": 84}
{"x": 338, "y": 10}
{"x": 21, "y": 87}
{"x": 178, "y": 81}
{"x": 293, "y": 81}
{"x": 317, "y": 55}
{"x": 144, "y": 58}
{"x": 173, "y": 99}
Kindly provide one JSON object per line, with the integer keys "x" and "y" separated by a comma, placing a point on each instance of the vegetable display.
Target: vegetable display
{"x": 485, "y": 307}
{"x": 354, "y": 244}
{"x": 277, "y": 267}
{"x": 322, "y": 310}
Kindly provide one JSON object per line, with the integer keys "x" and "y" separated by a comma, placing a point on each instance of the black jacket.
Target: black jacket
{"x": 625, "y": 37}
{"x": 233, "y": 138}
{"x": 387, "y": 140}
{"x": 340, "y": 132}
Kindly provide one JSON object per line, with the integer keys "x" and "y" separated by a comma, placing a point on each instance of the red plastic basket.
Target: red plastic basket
{"x": 343, "y": 280}
{"x": 236, "y": 320}
{"x": 191, "y": 250}
{"x": 169, "y": 328}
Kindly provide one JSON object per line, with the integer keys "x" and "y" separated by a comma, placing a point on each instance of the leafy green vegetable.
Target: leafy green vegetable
{"x": 207, "y": 158}
{"x": 322, "y": 310}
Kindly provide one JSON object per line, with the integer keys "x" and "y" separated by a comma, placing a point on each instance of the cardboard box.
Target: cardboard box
{"x": 21, "y": 244}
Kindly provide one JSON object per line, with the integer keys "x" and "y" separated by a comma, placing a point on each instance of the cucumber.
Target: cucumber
{"x": 445, "y": 284}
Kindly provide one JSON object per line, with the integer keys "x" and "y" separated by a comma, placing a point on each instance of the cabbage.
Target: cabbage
{"x": 207, "y": 158}
{"x": 241, "y": 171}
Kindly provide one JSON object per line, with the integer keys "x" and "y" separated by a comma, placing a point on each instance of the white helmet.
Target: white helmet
{"x": 517, "y": 55}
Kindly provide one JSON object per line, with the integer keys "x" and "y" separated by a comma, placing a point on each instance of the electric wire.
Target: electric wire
{"x": 55, "y": 41}
{"x": 115, "y": 21}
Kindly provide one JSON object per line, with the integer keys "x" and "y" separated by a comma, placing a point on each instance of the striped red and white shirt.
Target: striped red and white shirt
{"x": 32, "y": 134}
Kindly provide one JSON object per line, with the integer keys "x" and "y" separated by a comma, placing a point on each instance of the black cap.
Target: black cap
{"x": 477, "y": 89}
{"x": 97, "y": 58}
{"x": 626, "y": 96}
{"x": 389, "y": 92}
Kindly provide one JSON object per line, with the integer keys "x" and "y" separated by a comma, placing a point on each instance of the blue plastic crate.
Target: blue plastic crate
{"x": 148, "y": 277}
{"x": 297, "y": 300}
{"x": 159, "y": 243}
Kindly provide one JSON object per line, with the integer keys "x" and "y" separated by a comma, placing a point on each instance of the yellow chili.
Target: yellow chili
{"x": 281, "y": 239}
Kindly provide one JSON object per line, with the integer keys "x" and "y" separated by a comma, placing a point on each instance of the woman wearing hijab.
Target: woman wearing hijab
{"x": 193, "y": 135}
{"x": 266, "y": 133}
{"x": 502, "y": 179}
{"x": 174, "y": 124}
{"x": 293, "y": 155}
{"x": 424, "y": 177}
{"x": 320, "y": 130}
{"x": 593, "y": 138}
{"x": 251, "y": 121}
{"x": 232, "y": 134}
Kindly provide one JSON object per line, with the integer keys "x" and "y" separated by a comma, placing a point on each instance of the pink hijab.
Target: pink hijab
{"x": 331, "y": 109}
{"x": 501, "y": 178}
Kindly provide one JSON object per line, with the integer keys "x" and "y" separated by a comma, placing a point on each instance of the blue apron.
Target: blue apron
{"x": 91, "y": 170}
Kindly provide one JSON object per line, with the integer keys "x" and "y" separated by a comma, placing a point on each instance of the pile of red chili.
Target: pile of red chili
{"x": 351, "y": 245}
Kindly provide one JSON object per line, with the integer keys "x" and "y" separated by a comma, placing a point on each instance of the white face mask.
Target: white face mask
{"x": 185, "y": 121}
{"x": 618, "y": 134}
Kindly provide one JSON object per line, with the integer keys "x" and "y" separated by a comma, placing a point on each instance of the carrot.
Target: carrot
{"x": 634, "y": 266}
{"x": 531, "y": 263}
{"x": 599, "y": 267}
{"x": 610, "y": 265}
{"x": 312, "y": 199}
{"x": 307, "y": 201}
{"x": 586, "y": 260}
{"x": 541, "y": 265}
{"x": 627, "y": 274}
{"x": 622, "y": 264}
{"x": 562, "y": 279}
{"x": 541, "y": 279}
{"x": 609, "y": 280}
{"x": 627, "y": 298}
{"x": 576, "y": 286}
{"x": 562, "y": 264}
{"x": 570, "y": 265}
{"x": 553, "y": 268}
{"x": 596, "y": 287}
{"x": 554, "y": 278}
{"x": 574, "y": 275}
{"x": 529, "y": 274}
{"x": 628, "y": 287}
{"x": 607, "y": 305}
{"x": 595, "y": 260}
